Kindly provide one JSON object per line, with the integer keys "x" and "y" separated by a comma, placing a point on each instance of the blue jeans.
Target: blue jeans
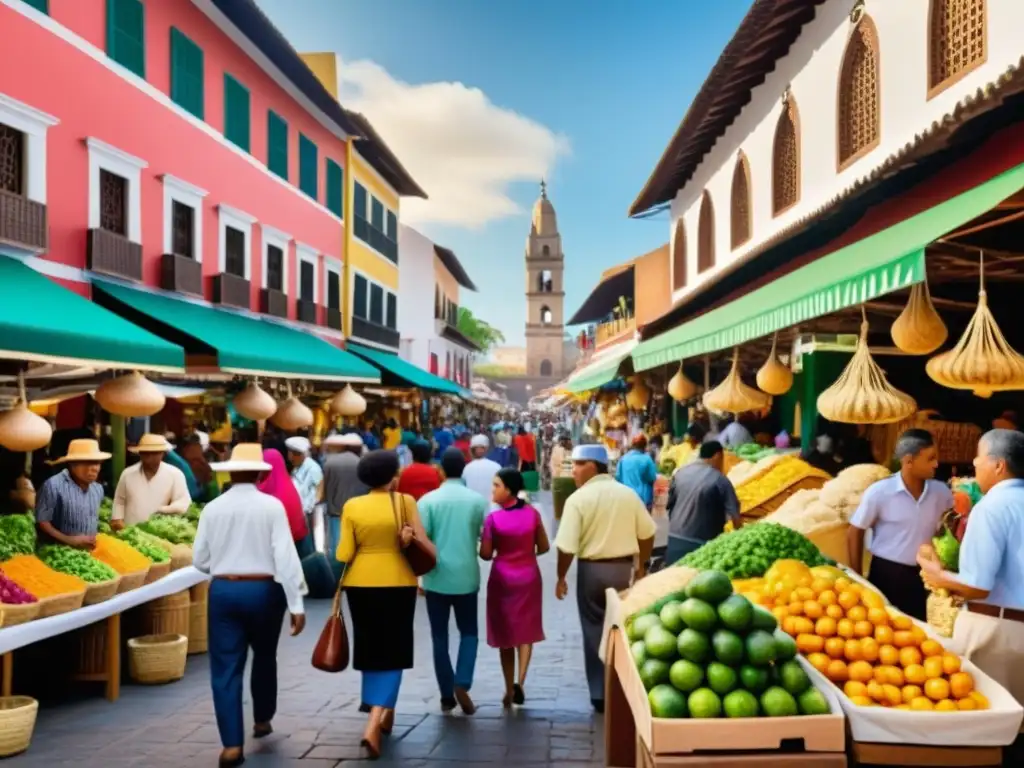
{"x": 439, "y": 608}
{"x": 333, "y": 537}
{"x": 243, "y": 615}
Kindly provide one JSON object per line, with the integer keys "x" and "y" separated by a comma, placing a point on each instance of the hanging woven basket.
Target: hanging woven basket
{"x": 680, "y": 388}
{"x": 132, "y": 395}
{"x": 732, "y": 395}
{"x": 773, "y": 377}
{"x": 254, "y": 403}
{"x": 348, "y": 402}
{"x": 292, "y": 414}
{"x": 21, "y": 430}
{"x": 919, "y": 330}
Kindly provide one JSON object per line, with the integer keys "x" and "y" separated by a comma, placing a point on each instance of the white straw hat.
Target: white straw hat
{"x": 149, "y": 443}
{"x": 245, "y": 457}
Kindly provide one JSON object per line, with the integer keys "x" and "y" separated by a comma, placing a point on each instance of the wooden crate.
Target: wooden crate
{"x": 765, "y": 508}
{"x": 863, "y": 753}
{"x": 771, "y": 759}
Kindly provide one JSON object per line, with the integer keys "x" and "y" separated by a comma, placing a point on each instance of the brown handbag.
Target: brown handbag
{"x": 420, "y": 559}
{"x": 332, "y": 653}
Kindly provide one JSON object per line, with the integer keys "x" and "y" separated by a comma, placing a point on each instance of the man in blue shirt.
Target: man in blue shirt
{"x": 638, "y": 471}
{"x": 453, "y": 517}
{"x": 990, "y": 628}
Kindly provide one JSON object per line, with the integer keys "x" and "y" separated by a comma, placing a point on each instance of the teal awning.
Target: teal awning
{"x": 44, "y": 322}
{"x": 244, "y": 345}
{"x": 599, "y": 372}
{"x": 398, "y": 372}
{"x": 884, "y": 262}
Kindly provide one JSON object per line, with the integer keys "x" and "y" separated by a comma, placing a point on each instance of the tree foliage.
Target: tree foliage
{"x": 480, "y": 332}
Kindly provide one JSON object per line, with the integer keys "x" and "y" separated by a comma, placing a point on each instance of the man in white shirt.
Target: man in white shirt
{"x": 245, "y": 544}
{"x": 735, "y": 434}
{"x": 308, "y": 479}
{"x": 150, "y": 486}
{"x": 479, "y": 473}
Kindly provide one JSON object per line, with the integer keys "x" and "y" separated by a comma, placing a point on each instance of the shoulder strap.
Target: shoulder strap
{"x": 399, "y": 518}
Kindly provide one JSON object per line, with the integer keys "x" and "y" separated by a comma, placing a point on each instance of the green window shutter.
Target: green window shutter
{"x": 126, "y": 34}
{"x": 307, "y": 166}
{"x": 236, "y": 112}
{"x": 40, "y": 5}
{"x": 186, "y": 73}
{"x": 277, "y": 144}
{"x": 335, "y": 193}
{"x": 376, "y": 214}
{"x": 359, "y": 201}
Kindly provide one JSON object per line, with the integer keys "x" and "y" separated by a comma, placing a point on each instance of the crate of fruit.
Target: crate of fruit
{"x": 705, "y": 670}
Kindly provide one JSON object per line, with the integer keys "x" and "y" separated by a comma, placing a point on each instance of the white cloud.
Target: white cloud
{"x": 463, "y": 149}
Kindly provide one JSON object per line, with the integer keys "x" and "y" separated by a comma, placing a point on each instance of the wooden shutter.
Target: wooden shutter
{"x": 236, "y": 112}
{"x": 126, "y": 23}
{"x": 277, "y": 144}
{"x": 307, "y": 166}
{"x": 186, "y": 73}
{"x": 335, "y": 194}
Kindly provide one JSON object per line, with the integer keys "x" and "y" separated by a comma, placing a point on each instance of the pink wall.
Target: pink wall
{"x": 42, "y": 70}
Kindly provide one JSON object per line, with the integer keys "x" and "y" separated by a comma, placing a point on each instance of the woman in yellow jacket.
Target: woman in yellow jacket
{"x": 381, "y": 587}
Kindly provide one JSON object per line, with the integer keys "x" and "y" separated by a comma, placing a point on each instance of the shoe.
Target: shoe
{"x": 518, "y": 695}
{"x": 236, "y": 758}
{"x": 387, "y": 722}
{"x": 262, "y": 730}
{"x": 371, "y": 736}
{"x": 598, "y": 705}
{"x": 465, "y": 701}
{"x": 448, "y": 704}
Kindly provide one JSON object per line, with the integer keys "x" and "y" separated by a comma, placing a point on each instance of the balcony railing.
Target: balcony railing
{"x": 273, "y": 302}
{"x": 334, "y": 318}
{"x": 113, "y": 254}
{"x": 613, "y": 329}
{"x": 380, "y": 334}
{"x": 231, "y": 290}
{"x": 306, "y": 311}
{"x": 23, "y": 222}
{"x": 376, "y": 239}
{"x": 181, "y": 274}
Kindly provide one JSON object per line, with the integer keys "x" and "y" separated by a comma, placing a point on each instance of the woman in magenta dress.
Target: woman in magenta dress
{"x": 514, "y": 536}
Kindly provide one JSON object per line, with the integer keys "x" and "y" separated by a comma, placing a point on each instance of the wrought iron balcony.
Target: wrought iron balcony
{"x": 306, "y": 311}
{"x": 334, "y": 318}
{"x": 231, "y": 290}
{"x": 273, "y": 302}
{"x": 181, "y": 274}
{"x": 23, "y": 222}
{"x": 379, "y": 334}
{"x": 113, "y": 254}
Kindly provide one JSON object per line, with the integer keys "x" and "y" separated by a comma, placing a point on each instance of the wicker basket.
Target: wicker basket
{"x": 155, "y": 659}
{"x": 130, "y": 581}
{"x": 92, "y": 651}
{"x": 198, "y": 601}
{"x": 942, "y": 611}
{"x": 101, "y": 591}
{"x": 20, "y": 613}
{"x": 157, "y": 571}
{"x": 58, "y": 604}
{"x": 17, "y": 722}
{"x": 181, "y": 556}
{"x": 167, "y": 615}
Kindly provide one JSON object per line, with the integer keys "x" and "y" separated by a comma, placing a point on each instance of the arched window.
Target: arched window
{"x": 545, "y": 315}
{"x": 957, "y": 41}
{"x": 786, "y": 158}
{"x": 679, "y": 256}
{"x": 706, "y": 235}
{"x": 740, "y": 215}
{"x": 544, "y": 284}
{"x": 545, "y": 367}
{"x": 545, "y": 251}
{"x": 859, "y": 102}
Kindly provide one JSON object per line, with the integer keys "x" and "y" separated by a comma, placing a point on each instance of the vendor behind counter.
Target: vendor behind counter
{"x": 68, "y": 504}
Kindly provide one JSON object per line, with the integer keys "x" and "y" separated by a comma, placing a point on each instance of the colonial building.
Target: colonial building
{"x": 545, "y": 293}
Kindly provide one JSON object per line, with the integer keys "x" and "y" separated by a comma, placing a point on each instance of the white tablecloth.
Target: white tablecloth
{"x": 20, "y": 635}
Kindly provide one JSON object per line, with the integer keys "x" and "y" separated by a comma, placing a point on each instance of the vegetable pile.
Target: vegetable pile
{"x": 708, "y": 653}
{"x": 947, "y": 547}
{"x": 156, "y": 549}
{"x": 119, "y": 555}
{"x": 195, "y": 509}
{"x": 173, "y": 528}
{"x": 752, "y": 549}
{"x": 76, "y": 562}
{"x": 12, "y": 594}
{"x": 106, "y": 511}
{"x": 17, "y": 535}
{"x": 30, "y": 573}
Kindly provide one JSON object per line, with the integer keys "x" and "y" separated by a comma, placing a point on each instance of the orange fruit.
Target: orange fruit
{"x": 933, "y": 666}
{"x": 857, "y": 613}
{"x": 872, "y": 599}
{"x": 841, "y": 584}
{"x": 902, "y": 638}
{"x": 878, "y": 617}
{"x": 869, "y": 649}
{"x": 789, "y": 624}
{"x": 946, "y": 706}
{"x": 876, "y": 691}
{"x": 836, "y": 671}
{"x": 911, "y": 692}
{"x": 967, "y": 705}
{"x": 825, "y": 627}
{"x": 931, "y": 648}
{"x": 844, "y": 627}
{"x": 852, "y": 650}
{"x": 920, "y": 636}
{"x": 819, "y": 661}
{"x": 863, "y": 701}
{"x": 781, "y": 612}
{"x": 796, "y": 608}
{"x": 980, "y": 699}
{"x": 819, "y": 585}
{"x": 910, "y": 656}
{"x": 899, "y": 621}
{"x": 895, "y": 676}
{"x": 860, "y": 672}
{"x": 848, "y": 599}
{"x": 828, "y": 597}
{"x": 950, "y": 663}
{"x": 835, "y": 647}
{"x": 854, "y": 688}
{"x": 863, "y": 628}
{"x": 922, "y": 704}
{"x": 881, "y": 673}
{"x": 893, "y": 697}
{"x": 813, "y": 610}
{"x": 804, "y": 593}
{"x": 915, "y": 674}
{"x": 780, "y": 600}
{"x": 961, "y": 684}
{"x": 834, "y": 611}
{"x": 888, "y": 654}
{"x": 884, "y": 634}
{"x": 807, "y": 643}
{"x": 937, "y": 689}
{"x": 804, "y": 626}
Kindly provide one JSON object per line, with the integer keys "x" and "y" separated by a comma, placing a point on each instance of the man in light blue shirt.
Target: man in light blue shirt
{"x": 638, "y": 471}
{"x": 453, "y": 517}
{"x": 990, "y": 628}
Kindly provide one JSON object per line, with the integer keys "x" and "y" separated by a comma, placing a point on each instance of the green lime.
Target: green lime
{"x": 698, "y": 615}
{"x": 693, "y": 646}
{"x": 793, "y": 678}
{"x": 754, "y": 679}
{"x": 686, "y": 676}
{"x": 778, "y": 702}
{"x": 639, "y": 651}
{"x": 736, "y": 613}
{"x": 675, "y": 597}
{"x": 661, "y": 644}
{"x": 760, "y": 647}
{"x": 671, "y": 618}
{"x": 710, "y": 586}
{"x": 666, "y": 701}
{"x": 741, "y": 704}
{"x": 721, "y": 678}
{"x": 764, "y": 619}
{"x": 813, "y": 702}
{"x": 728, "y": 647}
{"x": 640, "y": 624}
{"x": 653, "y": 672}
{"x": 704, "y": 703}
{"x": 785, "y": 646}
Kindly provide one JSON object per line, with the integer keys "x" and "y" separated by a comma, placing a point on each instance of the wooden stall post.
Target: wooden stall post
{"x": 113, "y": 671}
{"x": 8, "y": 674}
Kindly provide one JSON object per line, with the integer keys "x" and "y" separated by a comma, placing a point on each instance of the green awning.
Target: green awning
{"x": 599, "y": 372}
{"x": 398, "y": 372}
{"x": 244, "y": 345}
{"x": 44, "y": 322}
{"x": 881, "y": 263}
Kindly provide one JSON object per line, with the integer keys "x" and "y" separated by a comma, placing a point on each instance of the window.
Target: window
{"x": 376, "y": 304}
{"x": 12, "y": 160}
{"x": 376, "y": 214}
{"x": 182, "y": 229}
{"x": 23, "y": 148}
{"x": 235, "y": 242}
{"x": 115, "y": 200}
{"x": 545, "y": 367}
{"x": 277, "y": 144}
{"x": 392, "y": 230}
{"x": 859, "y": 107}
{"x": 706, "y": 235}
{"x": 126, "y": 22}
{"x": 679, "y": 256}
{"x": 236, "y": 112}
{"x": 113, "y": 203}
{"x": 434, "y": 363}
{"x": 360, "y": 298}
{"x": 545, "y": 251}
{"x": 234, "y": 251}
{"x": 186, "y": 73}
{"x": 546, "y": 315}
{"x": 545, "y": 284}
{"x": 307, "y": 166}
{"x": 957, "y": 41}
{"x": 183, "y": 218}
{"x": 307, "y": 284}
{"x": 275, "y": 268}
{"x": 43, "y": 6}
{"x": 437, "y": 302}
{"x": 335, "y": 189}
{"x": 786, "y": 158}
{"x": 333, "y": 290}
{"x": 739, "y": 216}
{"x": 359, "y": 201}
{"x": 391, "y": 321}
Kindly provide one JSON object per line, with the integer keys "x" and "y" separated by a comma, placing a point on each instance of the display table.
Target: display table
{"x": 21, "y": 635}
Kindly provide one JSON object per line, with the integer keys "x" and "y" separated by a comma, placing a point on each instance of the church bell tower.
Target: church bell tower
{"x": 545, "y": 293}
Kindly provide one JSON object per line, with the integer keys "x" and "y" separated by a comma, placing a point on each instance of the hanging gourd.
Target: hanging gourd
{"x": 616, "y": 418}
{"x": 292, "y": 414}
{"x": 773, "y": 377}
{"x": 983, "y": 360}
{"x": 639, "y": 395}
{"x": 919, "y": 330}
{"x": 732, "y": 395}
{"x": 862, "y": 394}
{"x": 132, "y": 395}
{"x": 21, "y": 430}
{"x": 680, "y": 388}
{"x": 254, "y": 403}
{"x": 348, "y": 402}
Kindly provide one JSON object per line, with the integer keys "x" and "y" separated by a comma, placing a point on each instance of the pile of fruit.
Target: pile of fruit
{"x": 752, "y": 549}
{"x": 17, "y": 535}
{"x": 782, "y": 474}
{"x": 33, "y": 575}
{"x": 810, "y": 511}
{"x": 119, "y": 555}
{"x": 76, "y": 562}
{"x": 11, "y": 593}
{"x": 173, "y": 528}
{"x": 156, "y": 549}
{"x": 707, "y": 653}
{"x": 875, "y": 653}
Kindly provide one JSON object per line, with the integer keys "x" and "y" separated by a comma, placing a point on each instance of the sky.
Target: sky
{"x": 480, "y": 99}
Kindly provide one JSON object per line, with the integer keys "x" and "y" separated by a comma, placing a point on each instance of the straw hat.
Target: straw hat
{"x": 149, "y": 443}
{"x": 350, "y": 440}
{"x": 245, "y": 457}
{"x": 82, "y": 450}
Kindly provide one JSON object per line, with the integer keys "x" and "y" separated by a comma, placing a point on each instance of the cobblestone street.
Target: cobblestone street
{"x": 318, "y": 723}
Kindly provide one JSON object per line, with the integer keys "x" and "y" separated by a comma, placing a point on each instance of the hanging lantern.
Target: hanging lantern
{"x": 21, "y": 430}
{"x": 919, "y": 330}
{"x": 348, "y": 402}
{"x": 774, "y": 377}
{"x": 680, "y": 388}
{"x": 292, "y": 414}
{"x": 732, "y": 395}
{"x": 254, "y": 403}
{"x": 132, "y": 395}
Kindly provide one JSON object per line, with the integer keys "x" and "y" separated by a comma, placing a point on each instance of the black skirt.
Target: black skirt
{"x": 382, "y": 627}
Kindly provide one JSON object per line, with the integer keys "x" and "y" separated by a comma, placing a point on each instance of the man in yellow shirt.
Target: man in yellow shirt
{"x": 607, "y": 527}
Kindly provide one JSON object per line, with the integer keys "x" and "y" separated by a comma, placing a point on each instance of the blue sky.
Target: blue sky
{"x": 602, "y": 84}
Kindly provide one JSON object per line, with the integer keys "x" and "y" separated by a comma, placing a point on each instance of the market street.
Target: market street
{"x": 319, "y": 724}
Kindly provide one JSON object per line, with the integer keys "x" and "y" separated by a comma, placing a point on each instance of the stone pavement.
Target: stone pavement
{"x": 318, "y": 722}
